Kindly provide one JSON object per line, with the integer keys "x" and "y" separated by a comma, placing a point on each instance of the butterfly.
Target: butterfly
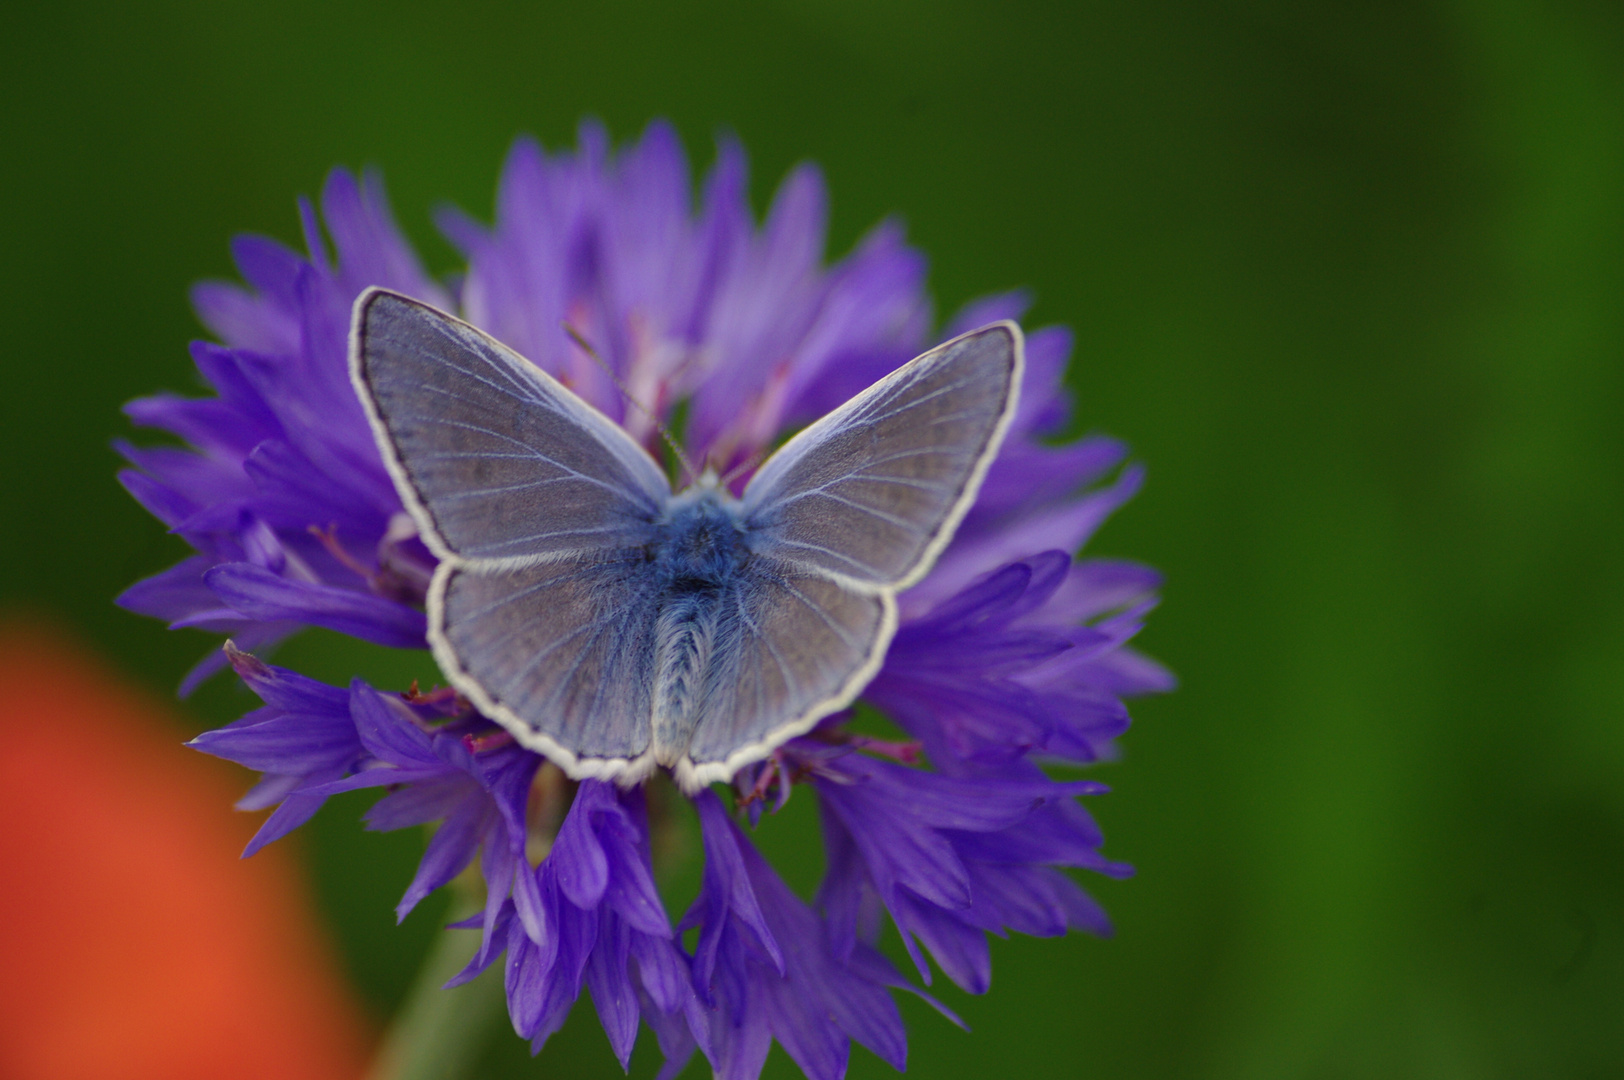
{"x": 616, "y": 626}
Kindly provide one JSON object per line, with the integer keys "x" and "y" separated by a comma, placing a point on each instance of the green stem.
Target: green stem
{"x": 438, "y": 1034}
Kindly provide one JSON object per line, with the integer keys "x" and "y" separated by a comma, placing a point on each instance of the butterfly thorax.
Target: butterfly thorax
{"x": 700, "y": 548}
{"x": 701, "y": 540}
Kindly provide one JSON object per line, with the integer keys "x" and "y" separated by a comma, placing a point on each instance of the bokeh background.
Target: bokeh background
{"x": 1348, "y": 276}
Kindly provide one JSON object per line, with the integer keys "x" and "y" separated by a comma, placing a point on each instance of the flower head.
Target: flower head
{"x": 1010, "y": 653}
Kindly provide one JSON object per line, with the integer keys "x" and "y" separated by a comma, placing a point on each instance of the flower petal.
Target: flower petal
{"x": 259, "y": 594}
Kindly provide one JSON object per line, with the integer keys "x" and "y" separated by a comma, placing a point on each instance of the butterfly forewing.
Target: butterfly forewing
{"x": 871, "y": 492}
{"x": 502, "y": 461}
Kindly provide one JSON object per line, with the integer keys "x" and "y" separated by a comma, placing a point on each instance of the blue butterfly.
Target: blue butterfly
{"x": 615, "y": 626}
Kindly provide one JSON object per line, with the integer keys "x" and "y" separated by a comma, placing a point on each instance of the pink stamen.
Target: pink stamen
{"x": 245, "y": 664}
{"x": 766, "y": 416}
{"x": 438, "y": 696}
{"x": 753, "y": 429}
{"x": 785, "y": 785}
{"x": 578, "y": 372}
{"x": 771, "y": 770}
{"x": 329, "y": 540}
{"x": 908, "y": 753}
{"x": 479, "y": 744}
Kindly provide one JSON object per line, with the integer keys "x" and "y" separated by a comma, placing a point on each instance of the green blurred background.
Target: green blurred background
{"x": 1347, "y": 276}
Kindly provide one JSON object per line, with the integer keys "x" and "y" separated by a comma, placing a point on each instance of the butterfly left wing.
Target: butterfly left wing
{"x": 540, "y": 510}
{"x": 853, "y": 509}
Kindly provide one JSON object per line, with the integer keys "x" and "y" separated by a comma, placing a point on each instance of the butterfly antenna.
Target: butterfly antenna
{"x": 586, "y": 347}
{"x": 743, "y": 467}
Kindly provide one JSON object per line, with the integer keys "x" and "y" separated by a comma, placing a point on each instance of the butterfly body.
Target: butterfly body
{"x": 616, "y": 626}
{"x": 700, "y": 558}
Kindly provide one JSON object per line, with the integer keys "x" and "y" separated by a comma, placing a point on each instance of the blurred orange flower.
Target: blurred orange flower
{"x": 135, "y": 942}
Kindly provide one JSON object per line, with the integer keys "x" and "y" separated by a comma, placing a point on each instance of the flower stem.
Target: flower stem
{"x": 438, "y": 1034}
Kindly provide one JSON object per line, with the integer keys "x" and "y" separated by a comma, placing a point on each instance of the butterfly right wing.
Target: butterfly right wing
{"x": 851, "y": 510}
{"x": 540, "y": 510}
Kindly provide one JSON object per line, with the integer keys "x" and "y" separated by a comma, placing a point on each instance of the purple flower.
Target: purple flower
{"x": 765, "y": 966}
{"x": 282, "y": 491}
{"x": 952, "y": 859}
{"x": 606, "y": 929}
{"x": 1010, "y": 654}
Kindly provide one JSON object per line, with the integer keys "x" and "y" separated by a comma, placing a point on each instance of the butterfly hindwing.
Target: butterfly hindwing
{"x": 798, "y": 647}
{"x": 871, "y": 493}
{"x": 560, "y": 652}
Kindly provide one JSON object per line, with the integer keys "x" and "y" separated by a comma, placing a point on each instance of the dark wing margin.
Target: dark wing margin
{"x": 871, "y": 493}
{"x": 498, "y": 461}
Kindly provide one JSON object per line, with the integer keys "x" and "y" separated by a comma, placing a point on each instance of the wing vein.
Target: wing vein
{"x": 855, "y": 505}
{"x": 916, "y": 402}
{"x": 470, "y": 493}
{"x": 523, "y": 399}
{"x": 790, "y": 681}
{"x": 827, "y": 551}
{"x": 839, "y": 631}
{"x": 535, "y": 454}
{"x": 450, "y": 333}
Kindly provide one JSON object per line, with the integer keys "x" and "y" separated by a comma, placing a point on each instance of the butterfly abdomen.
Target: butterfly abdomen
{"x": 684, "y": 637}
